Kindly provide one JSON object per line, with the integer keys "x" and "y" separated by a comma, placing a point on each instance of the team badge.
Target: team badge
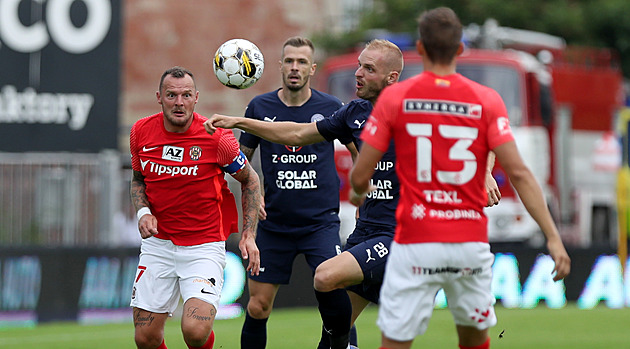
{"x": 293, "y": 148}
{"x": 317, "y": 117}
{"x": 195, "y": 153}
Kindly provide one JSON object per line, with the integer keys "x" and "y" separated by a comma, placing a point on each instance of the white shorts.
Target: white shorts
{"x": 416, "y": 272}
{"x": 166, "y": 271}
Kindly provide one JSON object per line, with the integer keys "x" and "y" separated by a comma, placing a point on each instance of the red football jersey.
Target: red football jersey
{"x": 443, "y": 128}
{"x": 184, "y": 177}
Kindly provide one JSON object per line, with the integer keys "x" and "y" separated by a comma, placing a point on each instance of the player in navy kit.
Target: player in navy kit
{"x": 301, "y": 200}
{"x": 360, "y": 267}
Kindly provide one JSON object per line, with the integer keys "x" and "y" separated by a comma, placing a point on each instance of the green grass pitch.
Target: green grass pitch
{"x": 539, "y": 328}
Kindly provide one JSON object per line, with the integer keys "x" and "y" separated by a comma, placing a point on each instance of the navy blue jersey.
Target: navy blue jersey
{"x": 301, "y": 182}
{"x": 346, "y": 125}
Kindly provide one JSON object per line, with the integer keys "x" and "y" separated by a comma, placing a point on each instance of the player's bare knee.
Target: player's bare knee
{"x": 323, "y": 280}
{"x": 258, "y": 309}
{"x": 196, "y": 336}
{"x": 145, "y": 340}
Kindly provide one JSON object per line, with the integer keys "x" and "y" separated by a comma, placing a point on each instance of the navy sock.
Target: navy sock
{"x": 254, "y": 333}
{"x": 324, "y": 342}
{"x": 336, "y": 312}
{"x": 353, "y": 336}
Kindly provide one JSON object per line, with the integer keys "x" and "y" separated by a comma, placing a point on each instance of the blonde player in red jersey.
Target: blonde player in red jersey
{"x": 185, "y": 213}
{"x": 444, "y": 126}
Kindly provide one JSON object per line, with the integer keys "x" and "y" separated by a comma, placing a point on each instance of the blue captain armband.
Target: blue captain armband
{"x": 238, "y": 163}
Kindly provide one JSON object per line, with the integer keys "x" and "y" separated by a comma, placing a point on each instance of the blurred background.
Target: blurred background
{"x": 77, "y": 74}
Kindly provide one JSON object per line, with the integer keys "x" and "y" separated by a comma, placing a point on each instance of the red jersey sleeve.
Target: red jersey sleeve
{"x": 133, "y": 149}
{"x": 231, "y": 160}
{"x": 229, "y": 155}
{"x": 499, "y": 130}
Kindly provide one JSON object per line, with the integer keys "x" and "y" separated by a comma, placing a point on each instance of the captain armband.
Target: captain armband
{"x": 238, "y": 163}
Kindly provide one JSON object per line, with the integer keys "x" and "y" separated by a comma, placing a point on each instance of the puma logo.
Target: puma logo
{"x": 359, "y": 123}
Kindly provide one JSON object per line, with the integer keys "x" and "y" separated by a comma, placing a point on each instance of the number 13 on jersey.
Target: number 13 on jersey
{"x": 457, "y": 152}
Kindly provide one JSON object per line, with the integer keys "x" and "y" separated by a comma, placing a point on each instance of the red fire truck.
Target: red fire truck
{"x": 562, "y": 102}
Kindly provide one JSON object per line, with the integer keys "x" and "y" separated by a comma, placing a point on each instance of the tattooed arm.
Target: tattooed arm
{"x": 147, "y": 223}
{"x": 250, "y": 197}
{"x": 249, "y": 154}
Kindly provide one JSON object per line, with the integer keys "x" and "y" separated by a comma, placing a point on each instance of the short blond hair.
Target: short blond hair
{"x": 393, "y": 55}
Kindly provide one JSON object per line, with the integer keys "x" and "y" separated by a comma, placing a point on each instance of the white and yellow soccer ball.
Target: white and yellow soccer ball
{"x": 238, "y": 63}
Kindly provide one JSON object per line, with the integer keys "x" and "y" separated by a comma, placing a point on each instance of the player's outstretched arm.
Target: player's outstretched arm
{"x": 532, "y": 197}
{"x": 362, "y": 172}
{"x": 147, "y": 223}
{"x": 283, "y": 132}
{"x": 250, "y": 200}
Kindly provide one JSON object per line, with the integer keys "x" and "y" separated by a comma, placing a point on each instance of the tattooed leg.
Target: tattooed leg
{"x": 197, "y": 321}
{"x": 149, "y": 328}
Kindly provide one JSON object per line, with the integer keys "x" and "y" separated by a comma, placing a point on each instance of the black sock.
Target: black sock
{"x": 336, "y": 312}
{"x": 254, "y": 333}
{"x": 324, "y": 342}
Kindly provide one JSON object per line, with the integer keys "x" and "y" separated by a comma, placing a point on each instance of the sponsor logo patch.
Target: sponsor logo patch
{"x": 173, "y": 153}
{"x": 443, "y": 107}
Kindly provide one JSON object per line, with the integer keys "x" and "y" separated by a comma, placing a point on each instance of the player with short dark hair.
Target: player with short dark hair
{"x": 185, "y": 214}
{"x": 444, "y": 126}
{"x": 301, "y": 201}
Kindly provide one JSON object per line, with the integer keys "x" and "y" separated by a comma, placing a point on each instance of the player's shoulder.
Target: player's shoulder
{"x": 354, "y": 107}
{"x": 480, "y": 89}
{"x": 263, "y": 103}
{"x": 397, "y": 90}
{"x": 199, "y": 118}
{"x": 149, "y": 120}
{"x": 198, "y": 125}
{"x": 358, "y": 104}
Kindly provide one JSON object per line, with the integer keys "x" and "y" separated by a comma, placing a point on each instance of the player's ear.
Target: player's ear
{"x": 460, "y": 49}
{"x": 392, "y": 77}
{"x": 157, "y": 94}
{"x": 313, "y": 68}
{"x": 420, "y": 47}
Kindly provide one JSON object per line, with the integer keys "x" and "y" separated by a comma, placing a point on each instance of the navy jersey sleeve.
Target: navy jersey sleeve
{"x": 346, "y": 123}
{"x": 247, "y": 139}
{"x": 334, "y": 126}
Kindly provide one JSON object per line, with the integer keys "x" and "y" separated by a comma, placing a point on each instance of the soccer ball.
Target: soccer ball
{"x": 238, "y": 63}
